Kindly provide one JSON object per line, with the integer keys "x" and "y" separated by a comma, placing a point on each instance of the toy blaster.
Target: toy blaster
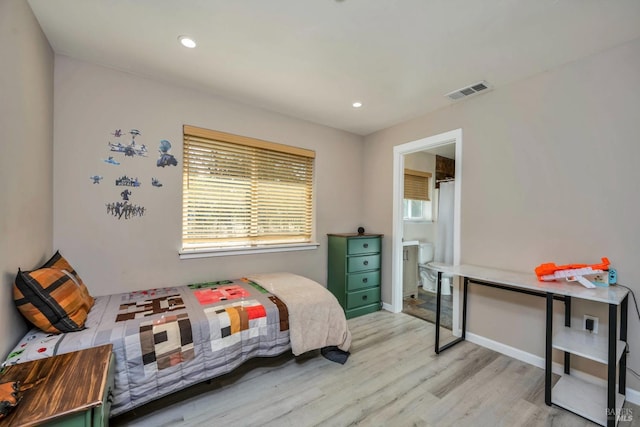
{"x": 571, "y": 272}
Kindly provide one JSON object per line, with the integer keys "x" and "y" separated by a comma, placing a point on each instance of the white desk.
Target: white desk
{"x": 569, "y": 393}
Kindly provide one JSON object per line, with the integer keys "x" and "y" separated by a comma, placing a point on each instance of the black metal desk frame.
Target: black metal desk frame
{"x": 613, "y": 332}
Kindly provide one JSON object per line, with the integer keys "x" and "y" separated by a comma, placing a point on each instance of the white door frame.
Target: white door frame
{"x": 399, "y": 151}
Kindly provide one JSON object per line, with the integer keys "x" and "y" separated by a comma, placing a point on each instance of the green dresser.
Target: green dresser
{"x": 354, "y": 272}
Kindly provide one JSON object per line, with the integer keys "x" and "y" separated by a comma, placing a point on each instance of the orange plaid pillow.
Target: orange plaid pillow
{"x": 59, "y": 262}
{"x": 53, "y": 298}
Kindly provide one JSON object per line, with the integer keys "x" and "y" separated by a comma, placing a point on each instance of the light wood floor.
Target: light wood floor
{"x": 393, "y": 378}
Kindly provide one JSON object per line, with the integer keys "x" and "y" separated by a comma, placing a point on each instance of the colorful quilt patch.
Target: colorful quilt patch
{"x": 282, "y": 311}
{"x": 227, "y": 321}
{"x": 34, "y": 346}
{"x": 223, "y": 293}
{"x": 167, "y": 341}
{"x": 209, "y": 284}
{"x": 148, "y": 307}
{"x": 149, "y": 293}
{"x": 255, "y": 285}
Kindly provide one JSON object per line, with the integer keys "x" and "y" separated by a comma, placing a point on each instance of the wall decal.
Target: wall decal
{"x": 166, "y": 159}
{"x": 131, "y": 149}
{"x": 111, "y": 161}
{"x": 125, "y": 181}
{"x": 129, "y": 144}
{"x": 120, "y": 209}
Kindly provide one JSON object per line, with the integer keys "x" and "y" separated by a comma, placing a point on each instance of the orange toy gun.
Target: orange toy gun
{"x": 571, "y": 272}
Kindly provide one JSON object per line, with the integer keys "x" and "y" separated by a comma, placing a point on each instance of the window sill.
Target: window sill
{"x": 207, "y": 253}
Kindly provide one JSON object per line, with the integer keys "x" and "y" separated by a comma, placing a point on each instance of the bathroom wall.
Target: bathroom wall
{"x": 421, "y": 230}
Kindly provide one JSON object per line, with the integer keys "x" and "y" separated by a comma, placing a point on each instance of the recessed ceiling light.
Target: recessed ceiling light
{"x": 187, "y": 42}
{"x": 357, "y": 104}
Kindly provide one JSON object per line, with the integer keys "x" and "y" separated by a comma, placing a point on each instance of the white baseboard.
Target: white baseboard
{"x": 631, "y": 395}
{"x": 388, "y": 307}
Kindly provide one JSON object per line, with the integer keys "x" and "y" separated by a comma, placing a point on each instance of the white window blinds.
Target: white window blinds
{"x": 244, "y": 192}
{"x": 416, "y": 185}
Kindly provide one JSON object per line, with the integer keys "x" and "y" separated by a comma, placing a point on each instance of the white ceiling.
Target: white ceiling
{"x": 312, "y": 58}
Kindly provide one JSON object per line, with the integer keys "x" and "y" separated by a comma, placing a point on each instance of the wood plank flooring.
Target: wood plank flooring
{"x": 393, "y": 378}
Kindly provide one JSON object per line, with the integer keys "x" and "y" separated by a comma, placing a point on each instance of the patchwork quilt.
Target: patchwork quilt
{"x": 167, "y": 339}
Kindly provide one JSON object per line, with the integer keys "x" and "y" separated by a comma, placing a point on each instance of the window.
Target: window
{"x": 417, "y": 201}
{"x": 239, "y": 192}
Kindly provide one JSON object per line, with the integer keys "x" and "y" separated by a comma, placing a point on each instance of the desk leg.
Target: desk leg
{"x": 611, "y": 364}
{"x": 622, "y": 380}
{"x": 567, "y": 323}
{"x": 438, "y": 349}
{"x": 438, "y": 294}
{"x": 464, "y": 307}
{"x": 548, "y": 352}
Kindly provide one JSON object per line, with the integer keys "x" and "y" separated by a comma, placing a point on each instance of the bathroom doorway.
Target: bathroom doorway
{"x": 435, "y": 236}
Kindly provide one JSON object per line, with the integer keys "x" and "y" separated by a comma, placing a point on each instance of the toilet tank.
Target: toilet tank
{"x": 425, "y": 252}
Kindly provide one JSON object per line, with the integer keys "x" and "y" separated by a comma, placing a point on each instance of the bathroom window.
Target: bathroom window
{"x": 417, "y": 200}
{"x": 417, "y": 210}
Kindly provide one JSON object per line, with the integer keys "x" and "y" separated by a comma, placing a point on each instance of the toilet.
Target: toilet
{"x": 428, "y": 276}
{"x": 425, "y": 253}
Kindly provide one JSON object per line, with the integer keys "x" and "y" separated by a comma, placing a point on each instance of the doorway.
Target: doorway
{"x": 430, "y": 144}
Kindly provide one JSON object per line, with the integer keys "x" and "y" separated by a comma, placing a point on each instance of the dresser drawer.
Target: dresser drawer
{"x": 363, "y": 246}
{"x": 365, "y": 309}
{"x": 365, "y": 297}
{"x": 363, "y": 263}
{"x": 363, "y": 280}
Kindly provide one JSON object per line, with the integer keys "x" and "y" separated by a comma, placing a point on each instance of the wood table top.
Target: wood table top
{"x": 57, "y": 386}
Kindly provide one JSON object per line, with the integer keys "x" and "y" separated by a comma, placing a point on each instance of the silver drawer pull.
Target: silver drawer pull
{"x": 364, "y": 297}
{"x": 365, "y": 280}
{"x": 366, "y": 263}
{"x": 366, "y": 245}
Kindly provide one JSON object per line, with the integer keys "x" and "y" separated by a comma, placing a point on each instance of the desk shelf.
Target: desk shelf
{"x": 585, "y": 344}
{"x": 584, "y": 398}
{"x": 601, "y": 404}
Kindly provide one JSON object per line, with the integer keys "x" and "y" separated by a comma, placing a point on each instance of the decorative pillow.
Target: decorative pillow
{"x": 59, "y": 262}
{"x": 53, "y": 298}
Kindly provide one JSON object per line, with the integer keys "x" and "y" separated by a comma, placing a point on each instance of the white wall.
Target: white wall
{"x": 114, "y": 255}
{"x": 26, "y": 123}
{"x": 549, "y": 173}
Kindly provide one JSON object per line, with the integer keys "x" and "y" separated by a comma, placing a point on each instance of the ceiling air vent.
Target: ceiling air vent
{"x": 468, "y": 91}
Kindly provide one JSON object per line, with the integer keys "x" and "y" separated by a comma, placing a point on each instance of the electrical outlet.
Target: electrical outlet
{"x": 590, "y": 323}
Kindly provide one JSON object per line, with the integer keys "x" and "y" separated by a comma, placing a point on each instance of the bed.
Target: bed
{"x": 169, "y": 338}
